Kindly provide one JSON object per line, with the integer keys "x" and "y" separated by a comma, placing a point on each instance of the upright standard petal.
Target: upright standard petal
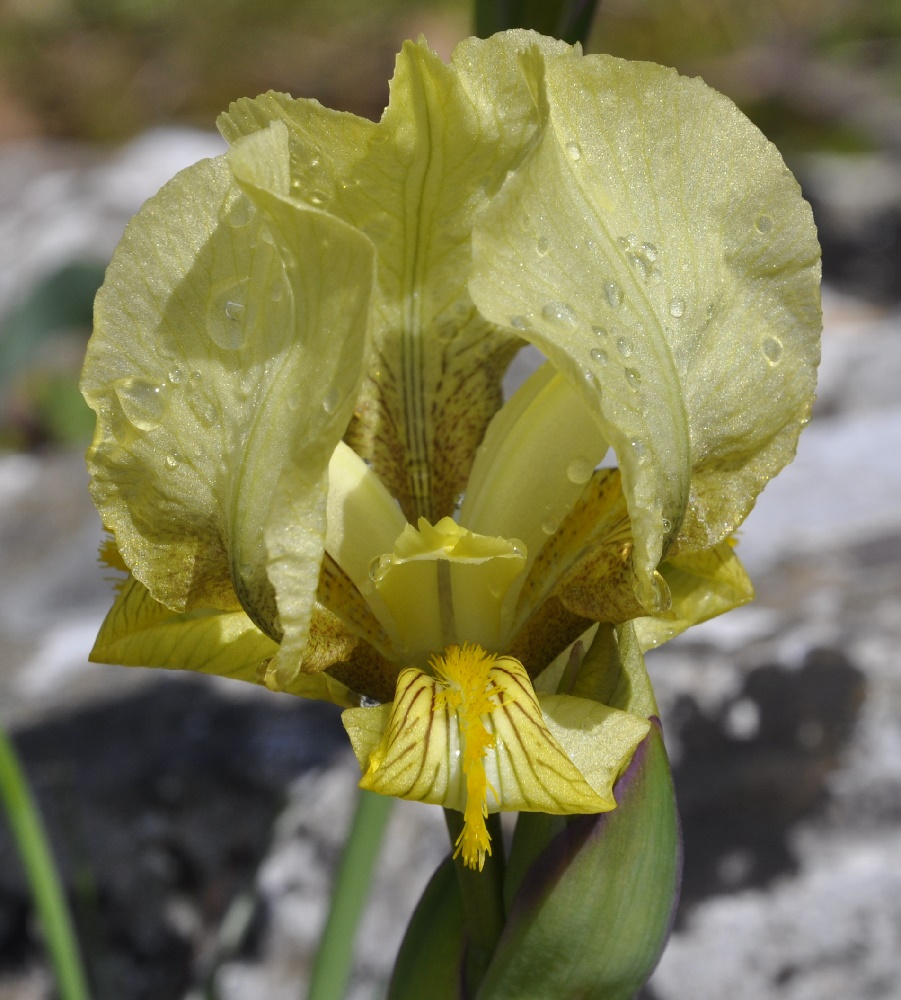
{"x": 657, "y": 250}
{"x": 228, "y": 347}
{"x": 415, "y": 183}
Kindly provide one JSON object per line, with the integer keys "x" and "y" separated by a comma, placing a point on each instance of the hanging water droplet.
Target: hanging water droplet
{"x": 519, "y": 323}
{"x": 330, "y": 402}
{"x": 614, "y": 294}
{"x": 677, "y": 307}
{"x": 633, "y": 377}
{"x": 378, "y": 567}
{"x": 579, "y": 471}
{"x": 574, "y": 151}
{"x": 599, "y": 355}
{"x": 543, "y": 245}
{"x": 559, "y": 312}
{"x": 772, "y": 350}
{"x": 624, "y": 347}
{"x": 517, "y": 548}
{"x": 142, "y": 402}
{"x": 764, "y": 224}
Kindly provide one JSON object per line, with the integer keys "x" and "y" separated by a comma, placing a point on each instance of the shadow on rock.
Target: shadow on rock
{"x": 160, "y": 807}
{"x": 748, "y": 773}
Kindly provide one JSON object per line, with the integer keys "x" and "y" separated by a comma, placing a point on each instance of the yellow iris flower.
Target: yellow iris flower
{"x": 301, "y": 450}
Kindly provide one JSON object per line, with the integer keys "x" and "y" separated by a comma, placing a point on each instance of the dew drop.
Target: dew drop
{"x": 639, "y": 263}
{"x": 172, "y": 460}
{"x": 634, "y": 378}
{"x": 209, "y": 414}
{"x": 142, "y": 402}
{"x": 228, "y": 318}
{"x": 278, "y": 291}
{"x": 175, "y": 376}
{"x": 624, "y": 347}
{"x": 599, "y": 331}
{"x": 543, "y": 246}
{"x": 614, "y": 294}
{"x": 548, "y": 527}
{"x": 519, "y": 323}
{"x": 677, "y": 307}
{"x": 650, "y": 252}
{"x": 517, "y": 548}
{"x": 667, "y": 524}
{"x": 772, "y": 350}
{"x": 378, "y": 567}
{"x": 330, "y": 403}
{"x": 574, "y": 151}
{"x": 764, "y": 224}
{"x": 559, "y": 312}
{"x": 599, "y": 355}
{"x": 579, "y": 471}
{"x": 640, "y": 449}
{"x": 293, "y": 401}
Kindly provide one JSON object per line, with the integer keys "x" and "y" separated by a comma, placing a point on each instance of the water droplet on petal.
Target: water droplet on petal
{"x": 640, "y": 449}
{"x": 650, "y": 251}
{"x": 579, "y": 471}
{"x": 677, "y": 307}
{"x": 624, "y": 347}
{"x": 639, "y": 263}
{"x": 574, "y": 151}
{"x": 614, "y": 294}
{"x": 142, "y": 402}
{"x": 764, "y": 224}
{"x": 548, "y": 527}
{"x": 599, "y": 331}
{"x": 330, "y": 402}
{"x": 543, "y": 246}
{"x": 559, "y": 312}
{"x": 228, "y": 317}
{"x": 633, "y": 377}
{"x": 175, "y": 376}
{"x": 519, "y": 323}
{"x": 599, "y": 355}
{"x": 172, "y": 459}
{"x": 772, "y": 350}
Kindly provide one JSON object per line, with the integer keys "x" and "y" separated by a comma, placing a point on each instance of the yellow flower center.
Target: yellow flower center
{"x": 472, "y": 695}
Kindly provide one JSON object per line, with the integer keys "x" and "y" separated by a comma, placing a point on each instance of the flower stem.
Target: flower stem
{"x": 483, "y": 898}
{"x": 332, "y": 967}
{"x": 31, "y": 841}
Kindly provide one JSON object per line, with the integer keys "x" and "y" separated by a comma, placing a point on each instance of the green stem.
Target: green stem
{"x": 483, "y": 898}
{"x": 31, "y": 841}
{"x": 332, "y": 967}
{"x": 569, "y": 20}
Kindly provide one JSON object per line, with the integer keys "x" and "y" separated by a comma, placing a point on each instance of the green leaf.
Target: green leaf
{"x": 429, "y": 963}
{"x": 593, "y": 912}
{"x": 655, "y": 247}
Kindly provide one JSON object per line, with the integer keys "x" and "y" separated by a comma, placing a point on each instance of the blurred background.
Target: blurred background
{"x": 197, "y": 822}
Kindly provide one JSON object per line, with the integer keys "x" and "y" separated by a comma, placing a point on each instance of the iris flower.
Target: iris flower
{"x": 302, "y": 451}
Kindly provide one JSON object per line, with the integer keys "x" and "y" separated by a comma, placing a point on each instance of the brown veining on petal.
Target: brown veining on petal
{"x": 340, "y": 595}
{"x": 545, "y": 634}
{"x": 424, "y": 458}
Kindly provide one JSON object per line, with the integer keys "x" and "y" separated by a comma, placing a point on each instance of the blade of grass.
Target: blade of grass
{"x": 332, "y": 967}
{"x": 31, "y": 841}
